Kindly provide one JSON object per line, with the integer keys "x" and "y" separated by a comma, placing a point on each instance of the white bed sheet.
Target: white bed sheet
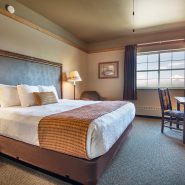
{"x": 22, "y": 124}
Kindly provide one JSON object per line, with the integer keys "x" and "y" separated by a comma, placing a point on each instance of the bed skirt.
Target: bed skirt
{"x": 62, "y": 164}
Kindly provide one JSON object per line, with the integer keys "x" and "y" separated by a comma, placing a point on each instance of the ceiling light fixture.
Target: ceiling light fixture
{"x": 133, "y": 14}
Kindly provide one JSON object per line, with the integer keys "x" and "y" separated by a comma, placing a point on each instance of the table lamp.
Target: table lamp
{"x": 74, "y": 77}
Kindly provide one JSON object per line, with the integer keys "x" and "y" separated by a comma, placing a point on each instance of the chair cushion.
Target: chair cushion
{"x": 90, "y": 95}
{"x": 175, "y": 113}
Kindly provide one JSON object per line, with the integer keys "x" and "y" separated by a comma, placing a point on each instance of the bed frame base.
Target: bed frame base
{"x": 84, "y": 171}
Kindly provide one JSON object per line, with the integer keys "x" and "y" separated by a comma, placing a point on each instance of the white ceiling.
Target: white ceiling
{"x": 97, "y": 20}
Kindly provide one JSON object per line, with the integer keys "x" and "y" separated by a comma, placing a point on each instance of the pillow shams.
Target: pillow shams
{"x": 50, "y": 88}
{"x": 9, "y": 96}
{"x": 26, "y": 94}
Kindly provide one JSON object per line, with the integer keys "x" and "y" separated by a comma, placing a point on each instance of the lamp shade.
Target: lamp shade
{"x": 74, "y": 76}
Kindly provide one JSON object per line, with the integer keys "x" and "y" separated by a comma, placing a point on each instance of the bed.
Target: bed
{"x": 19, "y": 126}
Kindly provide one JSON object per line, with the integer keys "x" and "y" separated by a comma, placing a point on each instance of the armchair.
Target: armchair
{"x": 91, "y": 95}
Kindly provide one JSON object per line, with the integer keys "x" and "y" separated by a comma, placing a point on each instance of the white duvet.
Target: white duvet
{"x": 22, "y": 124}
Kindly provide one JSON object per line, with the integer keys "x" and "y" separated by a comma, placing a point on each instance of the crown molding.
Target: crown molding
{"x": 73, "y": 44}
{"x": 141, "y": 39}
{"x": 105, "y": 50}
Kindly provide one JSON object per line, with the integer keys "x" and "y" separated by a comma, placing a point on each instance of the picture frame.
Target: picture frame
{"x": 108, "y": 70}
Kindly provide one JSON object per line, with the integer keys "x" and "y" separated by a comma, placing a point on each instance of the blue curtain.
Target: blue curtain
{"x": 130, "y": 91}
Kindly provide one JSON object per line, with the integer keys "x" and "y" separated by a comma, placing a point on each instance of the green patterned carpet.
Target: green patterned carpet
{"x": 146, "y": 158}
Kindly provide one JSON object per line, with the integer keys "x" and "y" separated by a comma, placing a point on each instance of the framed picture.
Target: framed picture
{"x": 108, "y": 70}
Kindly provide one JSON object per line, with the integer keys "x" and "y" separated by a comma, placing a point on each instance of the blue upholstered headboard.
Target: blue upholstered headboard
{"x": 20, "y": 69}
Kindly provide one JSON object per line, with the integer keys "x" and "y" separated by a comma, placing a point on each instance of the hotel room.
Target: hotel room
{"x": 92, "y": 92}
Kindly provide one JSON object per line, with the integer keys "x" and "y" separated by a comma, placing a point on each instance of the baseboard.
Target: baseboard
{"x": 144, "y": 116}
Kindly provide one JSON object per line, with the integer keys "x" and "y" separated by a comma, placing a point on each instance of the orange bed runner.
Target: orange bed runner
{"x": 66, "y": 132}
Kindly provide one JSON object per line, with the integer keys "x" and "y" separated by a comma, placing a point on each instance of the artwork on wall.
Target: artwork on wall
{"x": 108, "y": 70}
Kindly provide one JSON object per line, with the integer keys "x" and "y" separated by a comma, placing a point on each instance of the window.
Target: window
{"x": 161, "y": 69}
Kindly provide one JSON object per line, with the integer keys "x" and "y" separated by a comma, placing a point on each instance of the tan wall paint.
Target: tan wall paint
{"x": 22, "y": 39}
{"x": 37, "y": 19}
{"x": 136, "y": 38}
{"x": 110, "y": 88}
{"x": 148, "y": 100}
{"x": 113, "y": 88}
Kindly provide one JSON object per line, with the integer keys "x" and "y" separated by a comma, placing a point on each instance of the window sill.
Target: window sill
{"x": 156, "y": 88}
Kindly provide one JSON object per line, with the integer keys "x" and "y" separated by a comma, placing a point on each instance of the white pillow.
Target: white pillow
{"x": 26, "y": 94}
{"x": 50, "y": 88}
{"x": 9, "y": 96}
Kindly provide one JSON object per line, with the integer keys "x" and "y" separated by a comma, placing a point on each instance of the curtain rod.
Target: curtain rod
{"x": 161, "y": 42}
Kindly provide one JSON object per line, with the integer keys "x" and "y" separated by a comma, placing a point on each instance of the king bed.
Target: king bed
{"x": 72, "y": 138}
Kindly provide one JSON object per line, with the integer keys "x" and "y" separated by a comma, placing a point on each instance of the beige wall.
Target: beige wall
{"x": 136, "y": 38}
{"x": 110, "y": 88}
{"x": 19, "y": 38}
{"x": 30, "y": 15}
{"x": 147, "y": 102}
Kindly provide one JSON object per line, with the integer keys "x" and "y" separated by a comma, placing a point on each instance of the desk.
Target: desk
{"x": 181, "y": 101}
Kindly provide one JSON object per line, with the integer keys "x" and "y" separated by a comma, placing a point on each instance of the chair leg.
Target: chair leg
{"x": 170, "y": 122}
{"x": 162, "y": 124}
{"x": 177, "y": 124}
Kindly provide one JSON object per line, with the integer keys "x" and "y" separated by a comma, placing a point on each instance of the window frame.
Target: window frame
{"x": 159, "y": 68}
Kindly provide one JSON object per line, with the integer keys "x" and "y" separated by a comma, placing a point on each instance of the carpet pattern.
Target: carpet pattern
{"x": 146, "y": 158}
